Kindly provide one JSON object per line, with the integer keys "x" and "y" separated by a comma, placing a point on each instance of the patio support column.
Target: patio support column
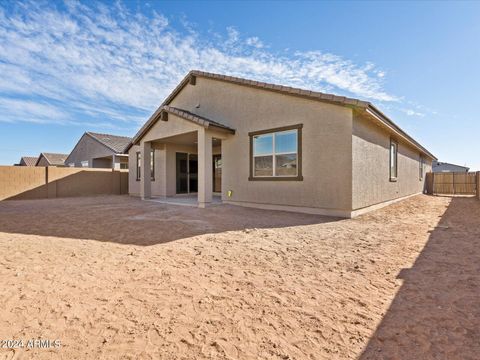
{"x": 145, "y": 175}
{"x": 205, "y": 169}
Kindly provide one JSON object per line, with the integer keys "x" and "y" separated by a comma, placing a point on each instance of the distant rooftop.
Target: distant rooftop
{"x": 28, "y": 160}
{"x": 114, "y": 142}
{"x": 54, "y": 158}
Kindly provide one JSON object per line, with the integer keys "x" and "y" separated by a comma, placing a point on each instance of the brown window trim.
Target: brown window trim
{"x": 421, "y": 168}
{"x": 299, "y": 176}
{"x": 393, "y": 178}
{"x": 137, "y": 174}
{"x": 152, "y": 170}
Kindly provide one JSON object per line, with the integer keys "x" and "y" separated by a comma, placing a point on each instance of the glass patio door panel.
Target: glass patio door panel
{"x": 193, "y": 173}
{"x": 217, "y": 173}
{"x": 187, "y": 173}
{"x": 182, "y": 173}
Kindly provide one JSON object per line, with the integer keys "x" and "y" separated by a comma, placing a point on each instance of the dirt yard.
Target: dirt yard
{"x": 117, "y": 278}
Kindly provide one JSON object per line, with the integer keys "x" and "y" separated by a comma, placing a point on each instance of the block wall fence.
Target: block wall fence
{"x": 24, "y": 182}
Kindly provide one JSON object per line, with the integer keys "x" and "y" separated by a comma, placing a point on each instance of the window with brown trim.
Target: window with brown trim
{"x": 139, "y": 164}
{"x": 276, "y": 154}
{"x": 152, "y": 164}
{"x": 421, "y": 162}
{"x": 393, "y": 160}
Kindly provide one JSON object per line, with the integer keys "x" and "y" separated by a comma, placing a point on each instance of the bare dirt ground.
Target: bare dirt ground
{"x": 117, "y": 278}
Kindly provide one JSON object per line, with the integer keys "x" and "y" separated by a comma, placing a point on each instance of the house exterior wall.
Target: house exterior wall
{"x": 101, "y": 163}
{"x": 371, "y": 166}
{"x": 133, "y": 184}
{"x": 88, "y": 149}
{"x": 345, "y": 156}
{"x": 119, "y": 161}
{"x": 327, "y": 145}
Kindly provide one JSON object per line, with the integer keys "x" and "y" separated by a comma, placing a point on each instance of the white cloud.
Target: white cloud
{"x": 255, "y": 42}
{"x": 117, "y": 66}
{"x": 411, "y": 112}
{"x": 13, "y": 109}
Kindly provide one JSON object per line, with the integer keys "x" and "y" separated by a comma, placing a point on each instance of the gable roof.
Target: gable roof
{"x": 361, "y": 105}
{"x": 201, "y": 120}
{"x": 114, "y": 142}
{"x": 53, "y": 158}
{"x": 441, "y": 163}
{"x": 28, "y": 160}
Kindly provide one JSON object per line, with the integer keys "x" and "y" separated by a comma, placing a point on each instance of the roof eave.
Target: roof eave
{"x": 166, "y": 108}
{"x": 377, "y": 114}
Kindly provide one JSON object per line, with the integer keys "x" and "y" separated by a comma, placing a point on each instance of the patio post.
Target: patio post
{"x": 205, "y": 168}
{"x": 145, "y": 175}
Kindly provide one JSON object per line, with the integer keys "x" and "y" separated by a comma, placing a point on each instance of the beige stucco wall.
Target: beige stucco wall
{"x": 133, "y": 184}
{"x": 327, "y": 143}
{"x": 89, "y": 149}
{"x": 371, "y": 166}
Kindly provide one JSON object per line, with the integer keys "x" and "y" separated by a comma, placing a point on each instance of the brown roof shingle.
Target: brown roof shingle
{"x": 187, "y": 115}
{"x": 113, "y": 142}
{"x": 28, "y": 160}
{"x": 53, "y": 158}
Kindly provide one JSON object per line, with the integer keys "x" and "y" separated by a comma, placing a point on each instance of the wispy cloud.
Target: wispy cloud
{"x": 66, "y": 63}
{"x": 412, "y": 112}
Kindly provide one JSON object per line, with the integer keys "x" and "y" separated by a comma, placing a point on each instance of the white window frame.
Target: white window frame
{"x": 84, "y": 163}
{"x": 274, "y": 154}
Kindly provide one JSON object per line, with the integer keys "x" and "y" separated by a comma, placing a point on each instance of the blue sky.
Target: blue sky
{"x": 70, "y": 67}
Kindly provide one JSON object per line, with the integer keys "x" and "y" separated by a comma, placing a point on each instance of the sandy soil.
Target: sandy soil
{"x": 117, "y": 278}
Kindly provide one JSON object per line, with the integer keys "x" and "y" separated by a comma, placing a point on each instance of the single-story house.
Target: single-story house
{"x": 269, "y": 146}
{"x": 27, "y": 161}
{"x": 96, "y": 150}
{"x": 51, "y": 159}
{"x": 438, "y": 166}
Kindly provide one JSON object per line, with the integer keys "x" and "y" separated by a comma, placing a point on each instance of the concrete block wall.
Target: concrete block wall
{"x": 22, "y": 182}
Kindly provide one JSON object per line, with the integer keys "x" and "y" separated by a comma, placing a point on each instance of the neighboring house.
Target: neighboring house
{"x": 51, "y": 159}
{"x": 95, "y": 150}
{"x": 438, "y": 166}
{"x": 27, "y": 161}
{"x": 274, "y": 147}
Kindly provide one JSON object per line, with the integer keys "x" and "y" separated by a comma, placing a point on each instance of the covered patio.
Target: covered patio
{"x": 180, "y": 159}
{"x": 187, "y": 200}
{"x": 114, "y": 161}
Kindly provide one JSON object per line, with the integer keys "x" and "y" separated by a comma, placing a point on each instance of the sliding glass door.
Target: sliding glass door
{"x": 187, "y": 173}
